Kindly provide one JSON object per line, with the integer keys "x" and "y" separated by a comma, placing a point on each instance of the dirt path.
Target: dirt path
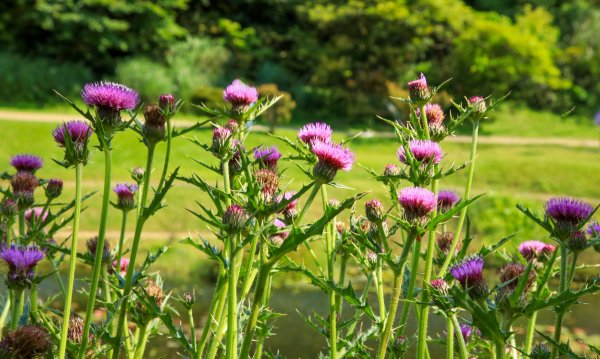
{"x": 32, "y": 116}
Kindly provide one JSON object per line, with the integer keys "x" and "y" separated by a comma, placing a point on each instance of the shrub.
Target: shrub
{"x": 281, "y": 112}
{"x": 141, "y": 73}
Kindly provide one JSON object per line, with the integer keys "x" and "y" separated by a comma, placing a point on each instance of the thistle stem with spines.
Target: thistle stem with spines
{"x": 99, "y": 253}
{"x": 462, "y": 347}
{"x": 414, "y": 268}
{"x": 72, "y": 264}
{"x": 561, "y": 289}
{"x": 330, "y": 253}
{"x": 134, "y": 251}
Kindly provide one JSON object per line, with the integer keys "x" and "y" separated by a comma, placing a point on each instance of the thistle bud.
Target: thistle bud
{"x": 9, "y": 208}
{"x": 54, "y": 188}
{"x": 221, "y": 143}
{"x": 391, "y": 170}
{"x": 234, "y": 218}
{"x": 577, "y": 242}
{"x": 30, "y": 341}
{"x": 73, "y": 136}
{"x": 154, "y": 127}
{"x": 166, "y": 102}
{"x": 92, "y": 246}
{"x": 233, "y": 126}
{"x": 478, "y": 104}
{"x": 188, "y": 299}
{"x": 540, "y": 351}
{"x": 126, "y": 196}
{"x": 374, "y": 211}
{"x": 23, "y": 185}
{"x": 419, "y": 91}
{"x": 137, "y": 174}
{"x": 440, "y": 286}
{"x": 444, "y": 242}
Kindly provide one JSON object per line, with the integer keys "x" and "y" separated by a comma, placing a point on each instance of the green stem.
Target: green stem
{"x": 22, "y": 225}
{"x": 121, "y": 240}
{"x": 500, "y": 349}
{"x": 141, "y": 344}
{"x": 462, "y": 347}
{"x": 99, "y": 253}
{"x": 247, "y": 282}
{"x": 330, "y": 253}
{"x": 414, "y": 268}
{"x": 530, "y": 333}
{"x": 424, "y": 123}
{"x": 59, "y": 279}
{"x": 395, "y": 299}
{"x": 218, "y": 298}
{"x": 341, "y": 282}
{"x": 4, "y": 314}
{"x": 17, "y": 311}
{"x": 562, "y": 287}
{"x": 378, "y": 275}
{"x": 261, "y": 282}
{"x": 72, "y": 263}
{"x": 167, "y": 156}
{"x": 311, "y": 197}
{"x": 572, "y": 268}
{"x": 265, "y": 301}
{"x": 33, "y": 298}
{"x": 192, "y": 329}
{"x": 232, "y": 334}
{"x": 221, "y": 313}
{"x": 463, "y": 211}
{"x": 226, "y": 181}
{"x": 449, "y": 338}
{"x": 134, "y": 251}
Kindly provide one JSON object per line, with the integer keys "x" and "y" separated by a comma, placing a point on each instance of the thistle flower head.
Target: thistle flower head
{"x": 240, "y": 96}
{"x": 29, "y": 341}
{"x": 27, "y": 163}
{"x": 121, "y": 267}
{"x": 23, "y": 185}
{"x": 78, "y": 131}
{"x": 374, "y": 211}
{"x": 75, "y": 331}
{"x": 540, "y": 351}
{"x": 418, "y": 90}
{"x": 8, "y": 208}
{"x": 391, "y": 170}
{"x": 289, "y": 211}
{"x": 467, "y": 331}
{"x": 166, "y": 102}
{"x": 54, "y": 188}
{"x": 332, "y": 158}
{"x": 154, "y": 129}
{"x": 440, "y": 286}
{"x": 34, "y": 215}
{"x": 21, "y": 263}
{"x": 447, "y": 200}
{"x": 593, "y": 229}
{"x": 567, "y": 213}
{"x": 235, "y": 218}
{"x": 267, "y": 157}
{"x": 444, "y": 242}
{"x": 316, "y": 131}
{"x": 434, "y": 114}
{"x": 137, "y": 174}
{"x": 110, "y": 95}
{"x": 577, "y": 241}
{"x": 268, "y": 181}
{"x": 220, "y": 141}
{"x": 424, "y": 151}
{"x": 233, "y": 126}
{"x": 531, "y": 250}
{"x": 92, "y": 246}
{"x": 417, "y": 203}
{"x": 478, "y": 104}
{"x": 278, "y": 238}
{"x": 469, "y": 273}
{"x": 125, "y": 194}
{"x": 510, "y": 274}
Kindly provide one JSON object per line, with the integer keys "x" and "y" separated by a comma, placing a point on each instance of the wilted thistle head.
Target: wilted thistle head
{"x": 316, "y": 131}
{"x": 21, "y": 263}
{"x": 434, "y": 114}
{"x": 278, "y": 238}
{"x": 234, "y": 218}
{"x": 419, "y": 91}
{"x": 444, "y": 242}
{"x": 424, "y": 151}
{"x": 540, "y": 351}
{"x": 221, "y": 143}
{"x": 417, "y": 203}
{"x": 446, "y": 200}
{"x": 125, "y": 195}
{"x": 510, "y": 275}
{"x": 34, "y": 215}
{"x": 142, "y": 313}
{"x": 27, "y": 163}
{"x": 567, "y": 213}
{"x": 92, "y": 246}
{"x": 375, "y": 211}
{"x": 166, "y": 102}
{"x": 8, "y": 208}
{"x": 268, "y": 182}
{"x": 78, "y": 132}
{"x": 154, "y": 125}
{"x": 478, "y": 104}
{"x": 267, "y": 157}
{"x": 137, "y": 174}
{"x": 332, "y": 157}
{"x": 109, "y": 99}
{"x": 27, "y": 342}
{"x": 240, "y": 96}
{"x": 531, "y": 250}
{"x": 54, "y": 188}
{"x": 577, "y": 242}
{"x": 75, "y": 331}
{"x": 469, "y": 273}
{"x": 23, "y": 186}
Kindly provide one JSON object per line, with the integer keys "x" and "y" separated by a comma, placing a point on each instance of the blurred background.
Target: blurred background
{"x": 336, "y": 61}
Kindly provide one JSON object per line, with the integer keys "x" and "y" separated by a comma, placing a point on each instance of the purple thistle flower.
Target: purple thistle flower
{"x": 125, "y": 194}
{"x": 166, "y": 102}
{"x": 317, "y": 131}
{"x": 424, "y": 151}
{"x": 26, "y": 162}
{"x": 21, "y": 262}
{"x": 535, "y": 249}
{"x": 440, "y": 286}
{"x": 35, "y": 214}
{"x": 446, "y": 200}
{"x": 417, "y": 202}
{"x": 289, "y": 212}
{"x": 568, "y": 213}
{"x": 54, "y": 188}
{"x": 478, "y": 104}
{"x": 597, "y": 118}
{"x": 278, "y": 238}
{"x": 332, "y": 158}
{"x": 122, "y": 267}
{"x": 469, "y": 273}
{"x": 267, "y": 157}
{"x": 219, "y": 141}
{"x": 240, "y": 95}
{"x": 110, "y": 95}
{"x": 467, "y": 331}
{"x": 419, "y": 90}
{"x": 593, "y": 229}
{"x": 434, "y": 114}
{"x": 79, "y": 132}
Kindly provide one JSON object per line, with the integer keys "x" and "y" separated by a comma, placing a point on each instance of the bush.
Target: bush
{"x": 281, "y": 112}
{"x": 32, "y": 80}
{"x": 146, "y": 76}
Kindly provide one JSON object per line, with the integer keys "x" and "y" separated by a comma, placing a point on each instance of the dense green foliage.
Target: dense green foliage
{"x": 338, "y": 59}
